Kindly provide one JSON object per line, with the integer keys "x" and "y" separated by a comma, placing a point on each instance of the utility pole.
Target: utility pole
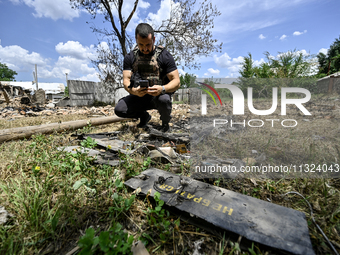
{"x": 35, "y": 76}
{"x": 66, "y": 86}
{"x": 66, "y": 78}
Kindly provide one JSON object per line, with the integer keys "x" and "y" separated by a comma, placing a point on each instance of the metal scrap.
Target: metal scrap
{"x": 216, "y": 209}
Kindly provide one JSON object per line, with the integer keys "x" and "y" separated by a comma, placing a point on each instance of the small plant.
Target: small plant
{"x": 146, "y": 163}
{"x": 88, "y": 143}
{"x": 252, "y": 251}
{"x": 115, "y": 241}
{"x": 235, "y": 247}
{"x": 121, "y": 204}
{"x": 87, "y": 129}
{"x": 158, "y": 218}
{"x": 256, "y": 192}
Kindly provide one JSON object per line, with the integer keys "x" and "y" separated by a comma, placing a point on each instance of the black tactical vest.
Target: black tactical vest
{"x": 148, "y": 67}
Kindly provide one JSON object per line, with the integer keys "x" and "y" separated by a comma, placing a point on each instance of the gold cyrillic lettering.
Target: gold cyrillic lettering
{"x": 197, "y": 200}
{"x": 218, "y": 207}
{"x": 206, "y": 202}
{"x": 226, "y": 210}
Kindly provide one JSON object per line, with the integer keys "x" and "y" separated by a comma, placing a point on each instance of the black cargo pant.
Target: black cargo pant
{"x": 133, "y": 106}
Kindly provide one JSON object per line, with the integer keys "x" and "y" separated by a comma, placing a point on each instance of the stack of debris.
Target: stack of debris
{"x": 14, "y": 94}
{"x": 9, "y": 112}
{"x": 167, "y": 148}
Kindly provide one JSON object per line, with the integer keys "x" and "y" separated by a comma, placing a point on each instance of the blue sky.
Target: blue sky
{"x": 57, "y": 38}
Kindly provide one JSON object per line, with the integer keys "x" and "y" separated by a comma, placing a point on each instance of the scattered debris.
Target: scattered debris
{"x": 138, "y": 248}
{"x": 216, "y": 209}
{"x": 28, "y": 110}
{"x": 166, "y": 154}
{"x": 197, "y": 247}
{"x": 151, "y": 147}
{"x": 13, "y": 93}
{"x": 4, "y": 215}
{"x": 260, "y": 159}
{"x": 39, "y": 97}
{"x": 74, "y": 149}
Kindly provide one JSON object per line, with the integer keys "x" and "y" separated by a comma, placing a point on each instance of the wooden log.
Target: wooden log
{"x": 27, "y": 132}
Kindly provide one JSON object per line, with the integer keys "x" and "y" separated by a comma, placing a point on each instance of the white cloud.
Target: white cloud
{"x": 297, "y": 33}
{"x": 76, "y": 64}
{"x": 232, "y": 64}
{"x": 213, "y": 71}
{"x": 323, "y": 50}
{"x": 296, "y": 53}
{"x": 259, "y": 62}
{"x": 163, "y": 13}
{"x": 90, "y": 77}
{"x": 143, "y": 5}
{"x": 76, "y": 69}
{"x": 304, "y": 53}
{"x": 261, "y": 36}
{"x": 19, "y": 59}
{"x": 56, "y": 9}
{"x": 75, "y": 61}
{"x": 283, "y": 37}
{"x": 76, "y": 50}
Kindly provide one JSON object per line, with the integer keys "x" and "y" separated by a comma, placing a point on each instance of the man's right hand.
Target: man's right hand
{"x": 139, "y": 91}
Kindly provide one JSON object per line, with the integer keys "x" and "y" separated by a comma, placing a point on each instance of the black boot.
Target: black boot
{"x": 144, "y": 119}
{"x": 165, "y": 127}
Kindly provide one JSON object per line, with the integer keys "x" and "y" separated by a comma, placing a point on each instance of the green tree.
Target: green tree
{"x": 187, "y": 80}
{"x": 284, "y": 70}
{"x": 6, "y": 74}
{"x": 66, "y": 92}
{"x": 249, "y": 70}
{"x": 329, "y": 63}
{"x": 290, "y": 64}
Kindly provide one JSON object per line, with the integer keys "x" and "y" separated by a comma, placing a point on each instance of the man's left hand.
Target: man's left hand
{"x": 155, "y": 90}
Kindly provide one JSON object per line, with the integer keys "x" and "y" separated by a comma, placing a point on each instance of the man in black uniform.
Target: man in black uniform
{"x": 155, "y": 64}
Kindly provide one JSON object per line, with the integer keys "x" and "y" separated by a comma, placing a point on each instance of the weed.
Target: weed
{"x": 115, "y": 241}
{"x": 121, "y": 204}
{"x": 88, "y": 143}
{"x": 146, "y": 163}
{"x": 222, "y": 245}
{"x": 235, "y": 247}
{"x": 252, "y": 251}
{"x": 157, "y": 218}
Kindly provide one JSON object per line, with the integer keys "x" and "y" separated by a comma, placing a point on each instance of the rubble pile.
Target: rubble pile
{"x": 18, "y": 108}
{"x": 49, "y": 109}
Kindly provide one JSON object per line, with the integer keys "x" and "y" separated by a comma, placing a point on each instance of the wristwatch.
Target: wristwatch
{"x": 163, "y": 91}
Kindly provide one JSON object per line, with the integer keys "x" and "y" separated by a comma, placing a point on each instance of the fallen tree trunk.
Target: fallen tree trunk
{"x": 26, "y": 132}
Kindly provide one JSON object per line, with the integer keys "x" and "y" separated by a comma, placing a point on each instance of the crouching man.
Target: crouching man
{"x": 150, "y": 76}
